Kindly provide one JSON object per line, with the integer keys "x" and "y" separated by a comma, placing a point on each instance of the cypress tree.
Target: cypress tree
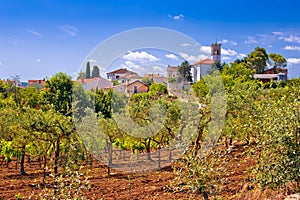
{"x": 95, "y": 72}
{"x": 88, "y": 70}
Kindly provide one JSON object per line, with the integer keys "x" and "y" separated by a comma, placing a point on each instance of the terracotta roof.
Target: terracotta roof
{"x": 119, "y": 71}
{"x": 130, "y": 75}
{"x": 87, "y": 80}
{"x": 205, "y": 61}
{"x": 97, "y": 82}
{"x": 172, "y": 68}
{"x": 153, "y": 76}
{"x": 137, "y": 81}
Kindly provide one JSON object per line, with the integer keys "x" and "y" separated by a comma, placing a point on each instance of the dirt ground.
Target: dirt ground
{"x": 150, "y": 185}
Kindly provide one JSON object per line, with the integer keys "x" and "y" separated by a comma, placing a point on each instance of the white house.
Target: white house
{"x": 116, "y": 74}
{"x": 202, "y": 67}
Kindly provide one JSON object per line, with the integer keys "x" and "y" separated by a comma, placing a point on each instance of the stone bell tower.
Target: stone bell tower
{"x": 216, "y": 52}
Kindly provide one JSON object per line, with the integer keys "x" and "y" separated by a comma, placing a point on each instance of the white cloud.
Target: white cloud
{"x": 141, "y": 57}
{"x": 250, "y": 40}
{"x": 92, "y": 60}
{"x": 38, "y": 60}
{"x": 191, "y": 59}
{"x": 185, "y": 44}
{"x": 180, "y": 16}
{"x": 33, "y": 32}
{"x": 157, "y": 68}
{"x": 0, "y": 63}
{"x": 131, "y": 65}
{"x": 241, "y": 55}
{"x": 176, "y": 17}
{"x": 228, "y": 52}
{"x": 225, "y": 41}
{"x": 205, "y": 49}
{"x": 290, "y": 38}
{"x": 292, "y": 61}
{"x": 277, "y": 33}
{"x": 292, "y": 48}
{"x": 225, "y": 58}
{"x": 70, "y": 30}
{"x": 171, "y": 56}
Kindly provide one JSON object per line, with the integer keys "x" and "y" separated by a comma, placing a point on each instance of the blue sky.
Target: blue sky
{"x": 40, "y": 38}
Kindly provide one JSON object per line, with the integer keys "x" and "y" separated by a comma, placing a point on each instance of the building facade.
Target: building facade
{"x": 202, "y": 67}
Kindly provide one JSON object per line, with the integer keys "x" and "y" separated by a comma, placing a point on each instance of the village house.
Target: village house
{"x": 116, "y": 74}
{"x": 202, "y": 67}
{"x": 129, "y": 77}
{"x": 157, "y": 78}
{"x": 42, "y": 82}
{"x": 129, "y": 89}
{"x": 94, "y": 83}
{"x": 172, "y": 72}
{"x": 280, "y": 74}
{"x": 271, "y": 77}
{"x": 136, "y": 87}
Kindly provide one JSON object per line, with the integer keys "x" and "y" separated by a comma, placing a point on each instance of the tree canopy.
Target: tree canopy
{"x": 185, "y": 71}
{"x": 95, "y": 72}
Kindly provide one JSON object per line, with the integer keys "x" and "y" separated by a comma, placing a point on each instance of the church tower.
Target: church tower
{"x": 216, "y": 52}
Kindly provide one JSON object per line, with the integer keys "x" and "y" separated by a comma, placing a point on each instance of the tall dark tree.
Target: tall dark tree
{"x": 95, "y": 72}
{"x": 88, "y": 70}
{"x": 185, "y": 71}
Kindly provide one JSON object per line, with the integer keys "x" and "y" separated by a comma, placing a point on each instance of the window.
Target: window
{"x": 135, "y": 89}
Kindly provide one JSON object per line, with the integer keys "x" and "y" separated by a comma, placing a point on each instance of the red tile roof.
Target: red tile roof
{"x": 153, "y": 76}
{"x": 119, "y": 71}
{"x": 87, "y": 80}
{"x": 130, "y": 75}
{"x": 136, "y": 82}
{"x": 30, "y": 82}
{"x": 205, "y": 61}
{"x": 172, "y": 68}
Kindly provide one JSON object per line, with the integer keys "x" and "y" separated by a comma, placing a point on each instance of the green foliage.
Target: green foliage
{"x": 18, "y": 196}
{"x": 81, "y": 75}
{"x": 103, "y": 101}
{"x": 200, "y": 88}
{"x": 185, "y": 71}
{"x": 279, "y": 142}
{"x": 171, "y": 80}
{"x": 29, "y": 97}
{"x": 116, "y": 82}
{"x": 158, "y": 89}
{"x": 265, "y": 116}
{"x": 277, "y": 61}
{"x": 69, "y": 185}
{"x": 95, "y": 72}
{"x": 58, "y": 93}
{"x": 148, "y": 81}
{"x": 38, "y": 86}
{"x": 201, "y": 175}
{"x": 88, "y": 70}
{"x": 257, "y": 59}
